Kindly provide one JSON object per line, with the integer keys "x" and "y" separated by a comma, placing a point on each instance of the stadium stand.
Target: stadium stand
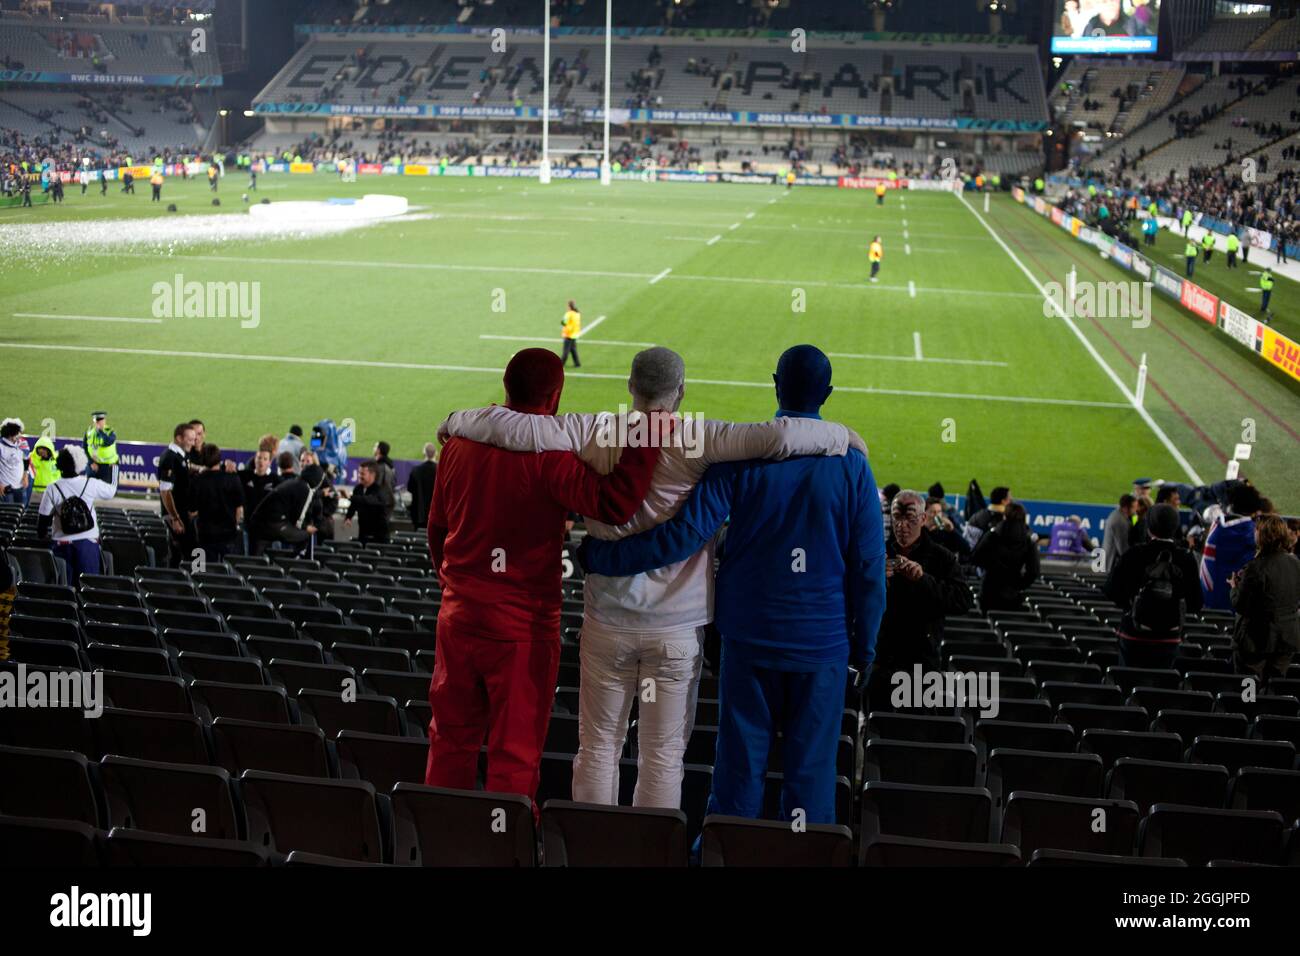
{"x": 1229, "y": 33}
{"x": 940, "y": 784}
{"x": 107, "y": 49}
{"x": 1113, "y": 99}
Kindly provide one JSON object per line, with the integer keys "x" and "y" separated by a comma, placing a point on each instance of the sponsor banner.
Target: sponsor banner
{"x": 816, "y": 181}
{"x": 138, "y": 172}
{"x": 1121, "y": 254}
{"x": 1282, "y": 352}
{"x": 392, "y": 169}
{"x": 279, "y": 167}
{"x": 460, "y": 170}
{"x": 865, "y": 182}
{"x": 370, "y": 169}
{"x": 302, "y": 167}
{"x": 1242, "y": 327}
{"x": 1076, "y": 226}
{"x": 765, "y": 179}
{"x": 1017, "y": 194}
{"x": 1103, "y": 44}
{"x": 684, "y": 176}
{"x": 415, "y": 169}
{"x": 109, "y": 79}
{"x": 932, "y": 185}
{"x": 1058, "y": 217}
{"x": 1170, "y": 283}
{"x": 1197, "y": 300}
{"x": 1142, "y": 266}
{"x": 707, "y": 117}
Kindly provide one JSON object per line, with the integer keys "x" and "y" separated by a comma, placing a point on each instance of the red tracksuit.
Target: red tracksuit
{"x": 496, "y": 526}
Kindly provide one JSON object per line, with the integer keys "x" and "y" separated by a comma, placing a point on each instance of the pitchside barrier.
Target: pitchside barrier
{"x": 1240, "y": 326}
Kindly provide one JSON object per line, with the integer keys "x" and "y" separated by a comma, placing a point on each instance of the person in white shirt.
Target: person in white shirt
{"x": 13, "y": 467}
{"x": 78, "y": 548}
{"x": 642, "y": 636}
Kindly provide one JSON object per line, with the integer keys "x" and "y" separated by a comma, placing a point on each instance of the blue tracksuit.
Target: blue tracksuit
{"x": 800, "y": 594}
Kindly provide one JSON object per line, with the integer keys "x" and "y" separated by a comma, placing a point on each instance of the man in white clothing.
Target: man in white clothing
{"x": 78, "y": 546}
{"x": 642, "y": 636}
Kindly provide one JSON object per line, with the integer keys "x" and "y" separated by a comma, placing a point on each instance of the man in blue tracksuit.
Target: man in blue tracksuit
{"x": 800, "y": 594}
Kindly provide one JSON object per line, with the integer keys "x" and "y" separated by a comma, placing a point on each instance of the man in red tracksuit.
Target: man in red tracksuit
{"x": 496, "y": 525}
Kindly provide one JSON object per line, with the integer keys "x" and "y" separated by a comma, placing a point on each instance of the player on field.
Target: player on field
{"x": 875, "y": 253}
{"x": 570, "y": 329}
{"x": 880, "y": 194}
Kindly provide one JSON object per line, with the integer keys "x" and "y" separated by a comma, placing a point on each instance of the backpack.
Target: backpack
{"x": 75, "y": 516}
{"x": 1158, "y": 607}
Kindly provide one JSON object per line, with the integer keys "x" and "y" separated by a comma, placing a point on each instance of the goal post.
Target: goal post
{"x": 544, "y": 171}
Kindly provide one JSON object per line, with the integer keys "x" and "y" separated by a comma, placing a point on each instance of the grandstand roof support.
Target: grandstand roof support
{"x": 544, "y": 172}
{"x": 609, "y": 42}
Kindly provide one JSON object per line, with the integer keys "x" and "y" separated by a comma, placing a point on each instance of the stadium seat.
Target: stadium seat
{"x": 40, "y": 843}
{"x": 1063, "y": 774}
{"x": 361, "y": 656}
{"x": 911, "y": 851}
{"x": 938, "y": 765}
{"x": 255, "y": 702}
{"x": 288, "y": 748}
{"x": 382, "y": 760}
{"x": 163, "y": 695}
{"x": 1110, "y": 745}
{"x": 225, "y": 670}
{"x": 1062, "y": 692}
{"x": 139, "y": 848}
{"x": 433, "y": 826}
{"x": 955, "y": 814}
{"x": 131, "y": 660}
{"x": 201, "y": 642}
{"x": 916, "y": 728}
{"x": 366, "y": 713}
{"x": 39, "y": 565}
{"x": 122, "y": 635}
{"x": 400, "y": 685}
{"x": 1268, "y": 727}
{"x": 1259, "y": 788}
{"x": 1198, "y": 834}
{"x": 1034, "y": 821}
{"x": 31, "y": 650}
{"x": 48, "y": 783}
{"x": 247, "y": 627}
{"x": 335, "y": 818}
{"x": 1129, "y": 679}
{"x": 1189, "y": 724}
{"x": 1148, "y": 782}
{"x": 1074, "y": 858}
{"x": 582, "y": 834}
{"x": 174, "y": 738}
{"x": 737, "y": 841}
{"x": 1270, "y": 704}
{"x": 297, "y": 675}
{"x": 1155, "y": 699}
{"x": 178, "y": 799}
{"x": 992, "y": 734}
{"x": 1234, "y": 753}
{"x": 1091, "y": 716}
{"x": 45, "y": 629}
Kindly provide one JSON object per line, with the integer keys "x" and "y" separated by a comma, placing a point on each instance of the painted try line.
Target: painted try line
{"x": 538, "y": 270}
{"x": 87, "y": 318}
{"x": 1130, "y": 398}
{"x": 496, "y": 371}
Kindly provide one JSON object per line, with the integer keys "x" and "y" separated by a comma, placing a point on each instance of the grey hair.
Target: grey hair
{"x": 657, "y": 375}
{"x": 430, "y": 449}
{"x": 907, "y": 495}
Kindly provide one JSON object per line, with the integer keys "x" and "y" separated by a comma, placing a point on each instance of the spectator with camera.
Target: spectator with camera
{"x": 923, "y": 585}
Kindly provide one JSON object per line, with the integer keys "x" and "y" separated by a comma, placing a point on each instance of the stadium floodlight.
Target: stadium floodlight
{"x": 544, "y": 171}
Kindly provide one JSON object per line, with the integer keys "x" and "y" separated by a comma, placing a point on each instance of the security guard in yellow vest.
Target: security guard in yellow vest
{"x": 880, "y": 193}
{"x": 571, "y": 328}
{"x": 44, "y": 469}
{"x": 101, "y": 445}
{"x": 1189, "y": 253}
{"x": 1265, "y": 292}
{"x": 1207, "y": 245}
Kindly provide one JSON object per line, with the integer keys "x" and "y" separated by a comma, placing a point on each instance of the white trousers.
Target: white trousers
{"x": 662, "y": 670}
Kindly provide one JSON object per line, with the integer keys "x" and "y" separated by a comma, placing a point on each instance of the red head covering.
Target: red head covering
{"x": 532, "y": 377}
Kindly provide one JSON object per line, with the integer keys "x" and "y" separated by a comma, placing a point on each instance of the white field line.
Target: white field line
{"x": 1110, "y": 372}
{"x": 86, "y": 318}
{"x": 913, "y": 358}
{"x": 599, "y": 319}
{"x": 916, "y": 341}
{"x": 714, "y": 239}
{"x": 496, "y": 371}
{"x": 660, "y": 276}
{"x": 539, "y": 338}
{"x": 911, "y": 288}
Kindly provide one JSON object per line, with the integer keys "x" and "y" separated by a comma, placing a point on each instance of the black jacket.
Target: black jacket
{"x": 1010, "y": 563}
{"x": 215, "y": 496}
{"x": 912, "y": 626}
{"x": 1265, "y": 600}
{"x": 420, "y": 485}
{"x": 287, "y": 503}
{"x": 256, "y": 487}
{"x": 1128, "y": 574}
{"x": 371, "y": 505}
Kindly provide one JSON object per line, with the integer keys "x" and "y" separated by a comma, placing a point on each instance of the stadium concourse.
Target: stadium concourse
{"x": 512, "y": 640}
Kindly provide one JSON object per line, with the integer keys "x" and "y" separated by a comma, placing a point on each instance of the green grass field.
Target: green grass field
{"x": 394, "y": 325}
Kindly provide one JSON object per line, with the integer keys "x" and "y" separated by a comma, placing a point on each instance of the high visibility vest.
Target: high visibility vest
{"x": 876, "y": 252}
{"x": 1190, "y": 251}
{"x": 1038, "y": 184}
{"x": 1233, "y": 243}
{"x": 43, "y": 472}
{"x": 880, "y": 189}
{"x": 1265, "y": 282}
{"x": 572, "y": 324}
{"x": 1152, "y": 209}
{"x": 101, "y": 448}
{"x": 1187, "y": 218}
{"x": 1207, "y": 241}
